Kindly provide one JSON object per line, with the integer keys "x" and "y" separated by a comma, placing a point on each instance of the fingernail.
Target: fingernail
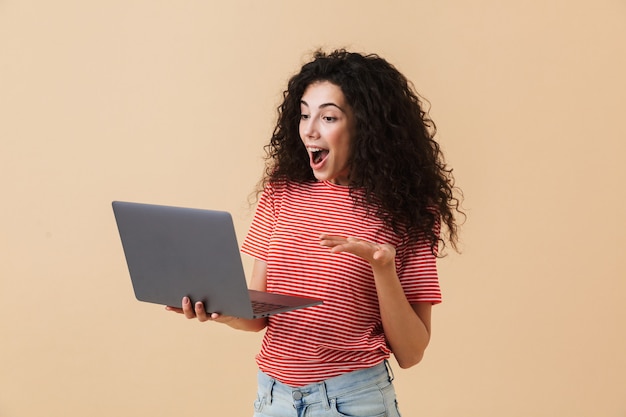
{"x": 185, "y": 300}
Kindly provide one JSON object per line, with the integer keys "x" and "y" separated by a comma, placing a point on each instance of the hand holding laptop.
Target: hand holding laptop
{"x": 198, "y": 311}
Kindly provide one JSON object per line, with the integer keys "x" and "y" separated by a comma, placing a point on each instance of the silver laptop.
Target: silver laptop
{"x": 172, "y": 252}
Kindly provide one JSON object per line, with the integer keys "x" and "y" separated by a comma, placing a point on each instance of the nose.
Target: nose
{"x": 308, "y": 129}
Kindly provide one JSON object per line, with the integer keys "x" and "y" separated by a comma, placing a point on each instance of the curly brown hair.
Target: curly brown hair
{"x": 395, "y": 160}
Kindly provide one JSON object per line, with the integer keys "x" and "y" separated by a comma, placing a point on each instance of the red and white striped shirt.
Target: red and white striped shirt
{"x": 345, "y": 333}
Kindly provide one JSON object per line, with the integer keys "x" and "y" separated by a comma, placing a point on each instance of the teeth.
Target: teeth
{"x": 314, "y": 149}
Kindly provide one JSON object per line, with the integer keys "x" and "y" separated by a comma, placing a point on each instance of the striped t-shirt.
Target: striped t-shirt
{"x": 345, "y": 333}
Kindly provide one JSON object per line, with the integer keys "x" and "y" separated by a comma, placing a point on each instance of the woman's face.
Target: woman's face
{"x": 326, "y": 129}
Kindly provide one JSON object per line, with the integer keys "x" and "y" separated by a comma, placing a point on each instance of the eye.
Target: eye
{"x": 329, "y": 119}
{"x": 304, "y": 116}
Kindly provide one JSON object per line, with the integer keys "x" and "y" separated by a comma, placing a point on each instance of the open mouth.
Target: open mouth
{"x": 318, "y": 155}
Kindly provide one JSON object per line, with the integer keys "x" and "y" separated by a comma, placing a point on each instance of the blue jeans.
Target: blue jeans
{"x": 363, "y": 393}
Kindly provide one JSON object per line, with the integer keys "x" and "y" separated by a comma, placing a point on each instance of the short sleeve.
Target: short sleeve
{"x": 256, "y": 242}
{"x": 417, "y": 271}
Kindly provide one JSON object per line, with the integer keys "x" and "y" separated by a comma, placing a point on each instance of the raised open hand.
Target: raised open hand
{"x": 376, "y": 254}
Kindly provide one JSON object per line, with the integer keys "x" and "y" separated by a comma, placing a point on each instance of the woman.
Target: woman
{"x": 352, "y": 200}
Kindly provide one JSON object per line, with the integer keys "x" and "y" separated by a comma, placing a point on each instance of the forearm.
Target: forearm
{"x": 407, "y": 333}
{"x": 406, "y": 326}
{"x": 249, "y": 325}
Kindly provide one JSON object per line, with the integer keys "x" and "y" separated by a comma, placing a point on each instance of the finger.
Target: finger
{"x": 201, "y": 313}
{"x": 174, "y": 309}
{"x": 216, "y": 317}
{"x": 329, "y": 236}
{"x": 188, "y": 309}
{"x": 363, "y": 243}
{"x": 342, "y": 244}
{"x": 332, "y": 238}
{"x": 379, "y": 255}
{"x": 384, "y": 253}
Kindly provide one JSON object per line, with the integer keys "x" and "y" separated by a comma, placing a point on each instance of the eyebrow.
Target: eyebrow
{"x": 323, "y": 105}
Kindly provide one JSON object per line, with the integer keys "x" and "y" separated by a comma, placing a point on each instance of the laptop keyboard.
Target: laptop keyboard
{"x": 261, "y": 307}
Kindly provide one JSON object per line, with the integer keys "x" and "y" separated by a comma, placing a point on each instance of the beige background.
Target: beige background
{"x": 171, "y": 102}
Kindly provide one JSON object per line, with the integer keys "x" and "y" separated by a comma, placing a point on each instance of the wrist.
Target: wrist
{"x": 387, "y": 269}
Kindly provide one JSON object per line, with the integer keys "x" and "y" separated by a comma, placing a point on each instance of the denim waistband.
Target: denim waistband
{"x": 329, "y": 388}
